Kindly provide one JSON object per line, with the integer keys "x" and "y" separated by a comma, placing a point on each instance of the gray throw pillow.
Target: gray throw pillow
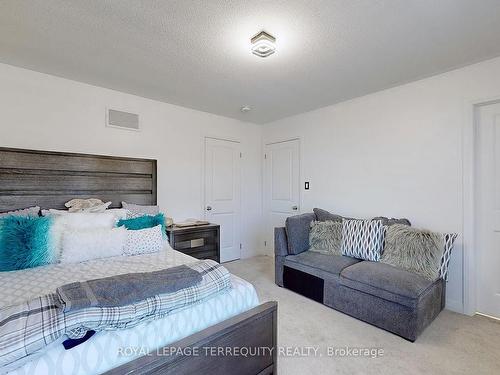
{"x": 26, "y": 212}
{"x": 326, "y": 237}
{"x": 415, "y": 250}
{"x": 137, "y": 210}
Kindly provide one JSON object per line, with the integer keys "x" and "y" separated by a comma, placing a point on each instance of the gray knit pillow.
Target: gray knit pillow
{"x": 414, "y": 250}
{"x": 137, "y": 210}
{"x": 326, "y": 237}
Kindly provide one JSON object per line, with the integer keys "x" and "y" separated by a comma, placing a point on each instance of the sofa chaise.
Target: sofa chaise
{"x": 393, "y": 299}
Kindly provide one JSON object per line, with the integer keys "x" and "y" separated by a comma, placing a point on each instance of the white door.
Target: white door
{"x": 222, "y": 193}
{"x": 281, "y": 186}
{"x": 488, "y": 210}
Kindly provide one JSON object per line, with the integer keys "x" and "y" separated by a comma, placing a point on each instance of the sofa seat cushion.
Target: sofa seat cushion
{"x": 318, "y": 264}
{"x": 387, "y": 282}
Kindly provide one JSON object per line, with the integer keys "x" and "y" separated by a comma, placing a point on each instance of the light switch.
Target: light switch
{"x": 306, "y": 185}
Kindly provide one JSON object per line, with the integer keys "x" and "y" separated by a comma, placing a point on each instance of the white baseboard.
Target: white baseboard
{"x": 454, "y": 305}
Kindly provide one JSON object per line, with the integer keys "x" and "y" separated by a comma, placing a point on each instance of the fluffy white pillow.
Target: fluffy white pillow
{"x": 81, "y": 245}
{"x": 143, "y": 241}
{"x": 78, "y": 221}
{"x": 53, "y": 211}
{"x": 87, "y": 220}
{"x": 119, "y": 213}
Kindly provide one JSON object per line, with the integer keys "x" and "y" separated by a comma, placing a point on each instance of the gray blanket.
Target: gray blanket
{"x": 126, "y": 289}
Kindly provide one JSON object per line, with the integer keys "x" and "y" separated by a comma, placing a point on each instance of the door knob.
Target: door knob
{"x": 209, "y": 208}
{"x": 295, "y": 208}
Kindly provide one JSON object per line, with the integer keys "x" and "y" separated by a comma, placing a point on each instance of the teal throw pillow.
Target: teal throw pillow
{"x": 142, "y": 222}
{"x": 25, "y": 242}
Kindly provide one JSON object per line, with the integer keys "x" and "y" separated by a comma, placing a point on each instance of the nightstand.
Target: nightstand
{"x": 202, "y": 241}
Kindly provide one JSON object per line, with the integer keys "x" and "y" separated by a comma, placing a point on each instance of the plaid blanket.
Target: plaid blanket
{"x": 29, "y": 327}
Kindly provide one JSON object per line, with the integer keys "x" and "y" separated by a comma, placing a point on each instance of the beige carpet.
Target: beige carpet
{"x": 452, "y": 344}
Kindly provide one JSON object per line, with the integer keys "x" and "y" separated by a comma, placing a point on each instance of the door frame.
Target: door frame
{"x": 264, "y": 184}
{"x": 203, "y": 197}
{"x": 469, "y": 150}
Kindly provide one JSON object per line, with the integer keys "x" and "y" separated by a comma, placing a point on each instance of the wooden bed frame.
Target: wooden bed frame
{"x": 49, "y": 179}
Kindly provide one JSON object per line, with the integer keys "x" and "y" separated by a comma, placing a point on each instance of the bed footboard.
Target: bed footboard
{"x": 244, "y": 344}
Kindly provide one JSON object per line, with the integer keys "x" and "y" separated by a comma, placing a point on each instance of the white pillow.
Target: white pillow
{"x": 75, "y": 221}
{"x": 119, "y": 213}
{"x": 82, "y": 245}
{"x": 53, "y": 211}
{"x": 87, "y": 220}
{"x": 25, "y": 212}
{"x": 143, "y": 241}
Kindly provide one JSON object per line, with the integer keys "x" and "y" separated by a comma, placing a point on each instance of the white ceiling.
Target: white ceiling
{"x": 196, "y": 53}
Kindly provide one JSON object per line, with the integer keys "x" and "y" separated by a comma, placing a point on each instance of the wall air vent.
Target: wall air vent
{"x": 122, "y": 120}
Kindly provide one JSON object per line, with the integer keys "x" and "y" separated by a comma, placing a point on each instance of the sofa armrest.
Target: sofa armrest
{"x": 280, "y": 252}
{"x": 280, "y": 242}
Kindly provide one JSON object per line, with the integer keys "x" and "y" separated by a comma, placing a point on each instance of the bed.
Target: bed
{"x": 203, "y": 338}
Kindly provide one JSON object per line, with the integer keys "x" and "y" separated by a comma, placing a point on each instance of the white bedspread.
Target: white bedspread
{"x": 108, "y": 349}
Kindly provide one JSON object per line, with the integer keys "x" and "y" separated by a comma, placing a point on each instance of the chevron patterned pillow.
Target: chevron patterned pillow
{"x": 449, "y": 240}
{"x": 362, "y": 239}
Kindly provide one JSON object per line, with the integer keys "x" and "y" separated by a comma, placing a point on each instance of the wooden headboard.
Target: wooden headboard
{"x": 49, "y": 179}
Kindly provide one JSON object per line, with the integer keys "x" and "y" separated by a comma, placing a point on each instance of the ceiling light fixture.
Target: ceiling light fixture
{"x": 245, "y": 109}
{"x": 263, "y": 44}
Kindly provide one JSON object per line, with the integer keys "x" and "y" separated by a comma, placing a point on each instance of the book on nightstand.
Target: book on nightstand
{"x": 191, "y": 223}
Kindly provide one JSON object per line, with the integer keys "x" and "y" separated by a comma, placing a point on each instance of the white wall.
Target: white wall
{"x": 40, "y": 111}
{"x": 395, "y": 153}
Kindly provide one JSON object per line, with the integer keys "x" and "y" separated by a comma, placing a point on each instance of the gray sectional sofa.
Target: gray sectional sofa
{"x": 396, "y": 300}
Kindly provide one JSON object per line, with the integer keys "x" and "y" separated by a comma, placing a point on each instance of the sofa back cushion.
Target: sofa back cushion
{"x": 388, "y": 222}
{"x": 362, "y": 239}
{"x": 324, "y": 215}
{"x": 297, "y": 231}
